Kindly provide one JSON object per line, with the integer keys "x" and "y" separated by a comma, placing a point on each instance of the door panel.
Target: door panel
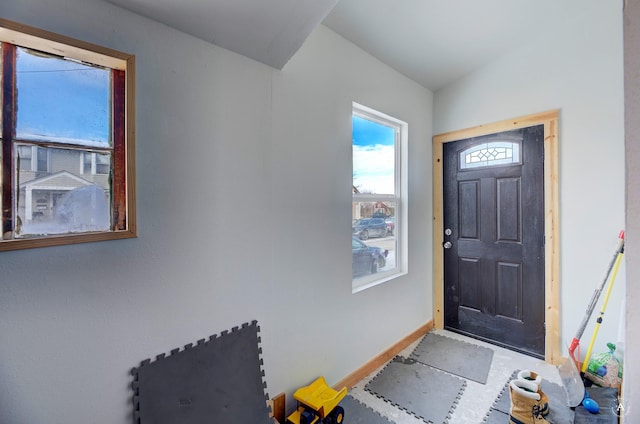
{"x": 494, "y": 268}
{"x": 469, "y": 192}
{"x": 508, "y": 210}
{"x": 509, "y": 290}
{"x": 470, "y": 289}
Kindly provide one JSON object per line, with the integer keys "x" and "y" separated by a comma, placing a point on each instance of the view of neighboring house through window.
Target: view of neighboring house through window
{"x": 95, "y": 163}
{"x": 379, "y": 197}
{"x": 65, "y": 139}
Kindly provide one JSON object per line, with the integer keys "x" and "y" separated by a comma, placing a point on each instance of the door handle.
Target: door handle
{"x": 447, "y": 245}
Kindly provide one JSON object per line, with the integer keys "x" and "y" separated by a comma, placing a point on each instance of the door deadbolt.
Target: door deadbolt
{"x": 448, "y": 232}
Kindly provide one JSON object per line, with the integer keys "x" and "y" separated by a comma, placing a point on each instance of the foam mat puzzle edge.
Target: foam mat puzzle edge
{"x": 201, "y": 343}
{"x": 410, "y": 361}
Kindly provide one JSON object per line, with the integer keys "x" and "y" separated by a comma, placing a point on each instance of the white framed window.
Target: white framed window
{"x": 32, "y": 158}
{"x": 379, "y": 207}
{"x": 95, "y": 163}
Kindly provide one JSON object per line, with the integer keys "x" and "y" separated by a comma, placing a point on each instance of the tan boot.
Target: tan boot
{"x": 525, "y": 408}
{"x": 527, "y": 375}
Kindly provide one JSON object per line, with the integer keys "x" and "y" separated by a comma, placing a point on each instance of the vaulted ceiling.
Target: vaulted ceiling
{"x": 433, "y": 42}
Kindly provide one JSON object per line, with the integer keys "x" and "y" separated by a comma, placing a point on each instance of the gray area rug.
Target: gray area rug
{"x": 454, "y": 356}
{"x": 356, "y": 412}
{"x": 559, "y": 412}
{"x": 420, "y": 390}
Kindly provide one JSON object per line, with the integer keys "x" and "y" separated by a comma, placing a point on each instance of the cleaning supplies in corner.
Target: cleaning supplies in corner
{"x": 605, "y": 369}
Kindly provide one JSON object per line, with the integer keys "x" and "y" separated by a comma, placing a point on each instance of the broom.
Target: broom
{"x": 569, "y": 370}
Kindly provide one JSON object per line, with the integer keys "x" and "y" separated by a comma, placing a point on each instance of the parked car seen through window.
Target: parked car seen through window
{"x": 369, "y": 227}
{"x": 367, "y": 259}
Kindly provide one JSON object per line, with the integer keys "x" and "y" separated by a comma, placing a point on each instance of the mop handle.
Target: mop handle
{"x": 598, "y": 291}
{"x": 585, "y": 364}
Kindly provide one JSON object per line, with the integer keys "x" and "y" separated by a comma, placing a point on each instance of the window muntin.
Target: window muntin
{"x": 495, "y": 153}
{"x": 67, "y": 140}
{"x": 378, "y": 215}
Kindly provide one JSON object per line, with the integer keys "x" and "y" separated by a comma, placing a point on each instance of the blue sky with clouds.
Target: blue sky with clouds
{"x": 63, "y": 99}
{"x": 373, "y": 156}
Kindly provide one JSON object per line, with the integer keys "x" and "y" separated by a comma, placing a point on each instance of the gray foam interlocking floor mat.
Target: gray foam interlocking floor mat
{"x": 454, "y": 356}
{"x": 215, "y": 381}
{"x": 496, "y": 417}
{"x": 356, "y": 412}
{"x": 423, "y": 391}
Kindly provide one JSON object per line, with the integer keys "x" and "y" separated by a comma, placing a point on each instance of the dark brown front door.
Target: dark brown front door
{"x": 494, "y": 238}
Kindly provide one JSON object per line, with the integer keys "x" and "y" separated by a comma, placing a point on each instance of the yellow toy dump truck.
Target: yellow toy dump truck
{"x": 318, "y": 404}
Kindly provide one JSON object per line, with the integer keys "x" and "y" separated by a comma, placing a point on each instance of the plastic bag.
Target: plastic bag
{"x": 605, "y": 369}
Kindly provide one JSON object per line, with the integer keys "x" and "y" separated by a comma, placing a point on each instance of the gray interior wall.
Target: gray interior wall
{"x": 221, "y": 140}
{"x": 244, "y": 203}
{"x": 631, "y": 390}
{"x": 576, "y": 67}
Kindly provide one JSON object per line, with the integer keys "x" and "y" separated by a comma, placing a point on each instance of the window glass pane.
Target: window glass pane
{"x": 1, "y": 140}
{"x": 103, "y": 163}
{"x": 24, "y": 157}
{"x": 490, "y": 154}
{"x": 42, "y": 165}
{"x": 96, "y": 163}
{"x": 60, "y": 200}
{"x": 67, "y": 114}
{"x": 378, "y": 226}
{"x": 373, "y": 156}
{"x": 1, "y": 68}
{"x": 86, "y": 162}
{"x": 62, "y": 100}
{"x": 374, "y": 242}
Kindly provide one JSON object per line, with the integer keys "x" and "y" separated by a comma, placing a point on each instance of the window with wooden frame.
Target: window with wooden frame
{"x": 67, "y": 134}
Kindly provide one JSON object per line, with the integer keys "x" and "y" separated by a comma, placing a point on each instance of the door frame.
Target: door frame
{"x": 551, "y": 219}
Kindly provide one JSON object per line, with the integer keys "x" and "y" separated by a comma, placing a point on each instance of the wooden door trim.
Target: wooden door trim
{"x": 551, "y": 214}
